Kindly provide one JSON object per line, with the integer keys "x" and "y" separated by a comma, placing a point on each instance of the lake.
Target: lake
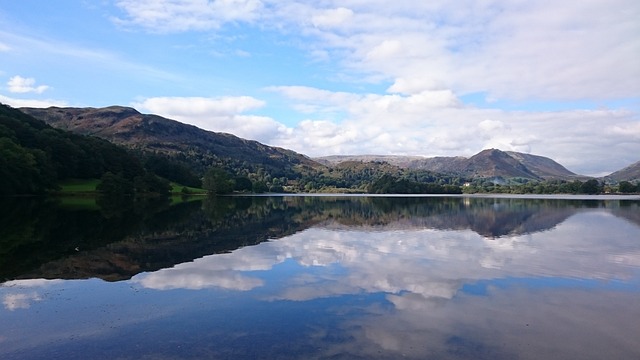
{"x": 321, "y": 277}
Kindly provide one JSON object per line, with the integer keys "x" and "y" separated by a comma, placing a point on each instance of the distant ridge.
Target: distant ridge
{"x": 397, "y": 160}
{"x": 487, "y": 163}
{"x": 543, "y": 166}
{"x": 629, "y": 173}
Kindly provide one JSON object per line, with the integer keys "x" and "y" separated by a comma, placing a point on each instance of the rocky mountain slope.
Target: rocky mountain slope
{"x": 629, "y": 173}
{"x": 126, "y": 126}
{"x": 487, "y": 163}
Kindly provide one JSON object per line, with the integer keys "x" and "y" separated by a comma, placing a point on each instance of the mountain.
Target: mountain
{"x": 629, "y": 173}
{"x": 496, "y": 163}
{"x": 544, "y": 167}
{"x": 126, "y": 126}
{"x": 487, "y": 163}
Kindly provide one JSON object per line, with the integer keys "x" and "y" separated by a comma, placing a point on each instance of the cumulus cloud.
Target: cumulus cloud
{"x": 19, "y": 84}
{"x": 221, "y": 114}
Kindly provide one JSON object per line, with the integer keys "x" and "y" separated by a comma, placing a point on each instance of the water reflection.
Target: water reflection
{"x": 426, "y": 262}
{"x": 299, "y": 277}
{"x": 49, "y": 240}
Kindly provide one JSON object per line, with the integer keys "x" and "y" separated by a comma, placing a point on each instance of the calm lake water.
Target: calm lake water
{"x": 321, "y": 278}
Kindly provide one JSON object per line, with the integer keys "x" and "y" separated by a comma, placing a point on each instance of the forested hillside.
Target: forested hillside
{"x": 34, "y": 157}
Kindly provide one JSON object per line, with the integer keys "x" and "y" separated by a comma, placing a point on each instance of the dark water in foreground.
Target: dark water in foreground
{"x": 321, "y": 278}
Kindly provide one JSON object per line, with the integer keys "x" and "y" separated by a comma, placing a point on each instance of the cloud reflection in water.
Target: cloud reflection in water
{"x": 431, "y": 263}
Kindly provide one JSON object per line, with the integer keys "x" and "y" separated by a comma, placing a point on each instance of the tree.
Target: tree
{"x": 590, "y": 187}
{"x": 260, "y": 187}
{"x": 243, "y": 183}
{"x": 217, "y": 181}
{"x": 626, "y": 187}
{"x": 115, "y": 185}
{"x": 151, "y": 184}
{"x": 276, "y": 188}
{"x": 23, "y": 170}
{"x": 171, "y": 169}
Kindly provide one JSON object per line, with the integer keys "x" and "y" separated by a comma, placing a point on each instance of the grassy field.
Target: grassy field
{"x": 79, "y": 185}
{"x": 88, "y": 186}
{"x": 177, "y": 189}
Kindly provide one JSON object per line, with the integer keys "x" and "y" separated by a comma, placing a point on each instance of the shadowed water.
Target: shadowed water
{"x": 321, "y": 278}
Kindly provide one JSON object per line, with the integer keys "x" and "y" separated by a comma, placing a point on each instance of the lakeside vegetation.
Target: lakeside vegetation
{"x": 525, "y": 186}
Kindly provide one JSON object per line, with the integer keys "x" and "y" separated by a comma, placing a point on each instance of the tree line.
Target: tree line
{"x": 523, "y": 186}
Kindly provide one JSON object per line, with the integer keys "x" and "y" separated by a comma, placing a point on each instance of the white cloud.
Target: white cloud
{"x": 630, "y": 131}
{"x": 512, "y": 50}
{"x": 38, "y": 103}
{"x": 182, "y": 15}
{"x": 4, "y": 47}
{"x": 19, "y": 84}
{"x": 491, "y": 125}
{"x": 332, "y": 17}
{"x": 189, "y": 106}
{"x": 221, "y": 114}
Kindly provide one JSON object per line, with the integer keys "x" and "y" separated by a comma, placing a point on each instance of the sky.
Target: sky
{"x": 559, "y": 79}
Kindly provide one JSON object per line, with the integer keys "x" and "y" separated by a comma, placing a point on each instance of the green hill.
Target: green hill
{"x": 35, "y": 157}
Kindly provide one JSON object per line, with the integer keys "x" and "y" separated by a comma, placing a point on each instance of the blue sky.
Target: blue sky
{"x": 350, "y": 77}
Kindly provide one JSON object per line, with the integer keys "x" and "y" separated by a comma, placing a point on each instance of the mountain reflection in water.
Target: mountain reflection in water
{"x": 325, "y": 277}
